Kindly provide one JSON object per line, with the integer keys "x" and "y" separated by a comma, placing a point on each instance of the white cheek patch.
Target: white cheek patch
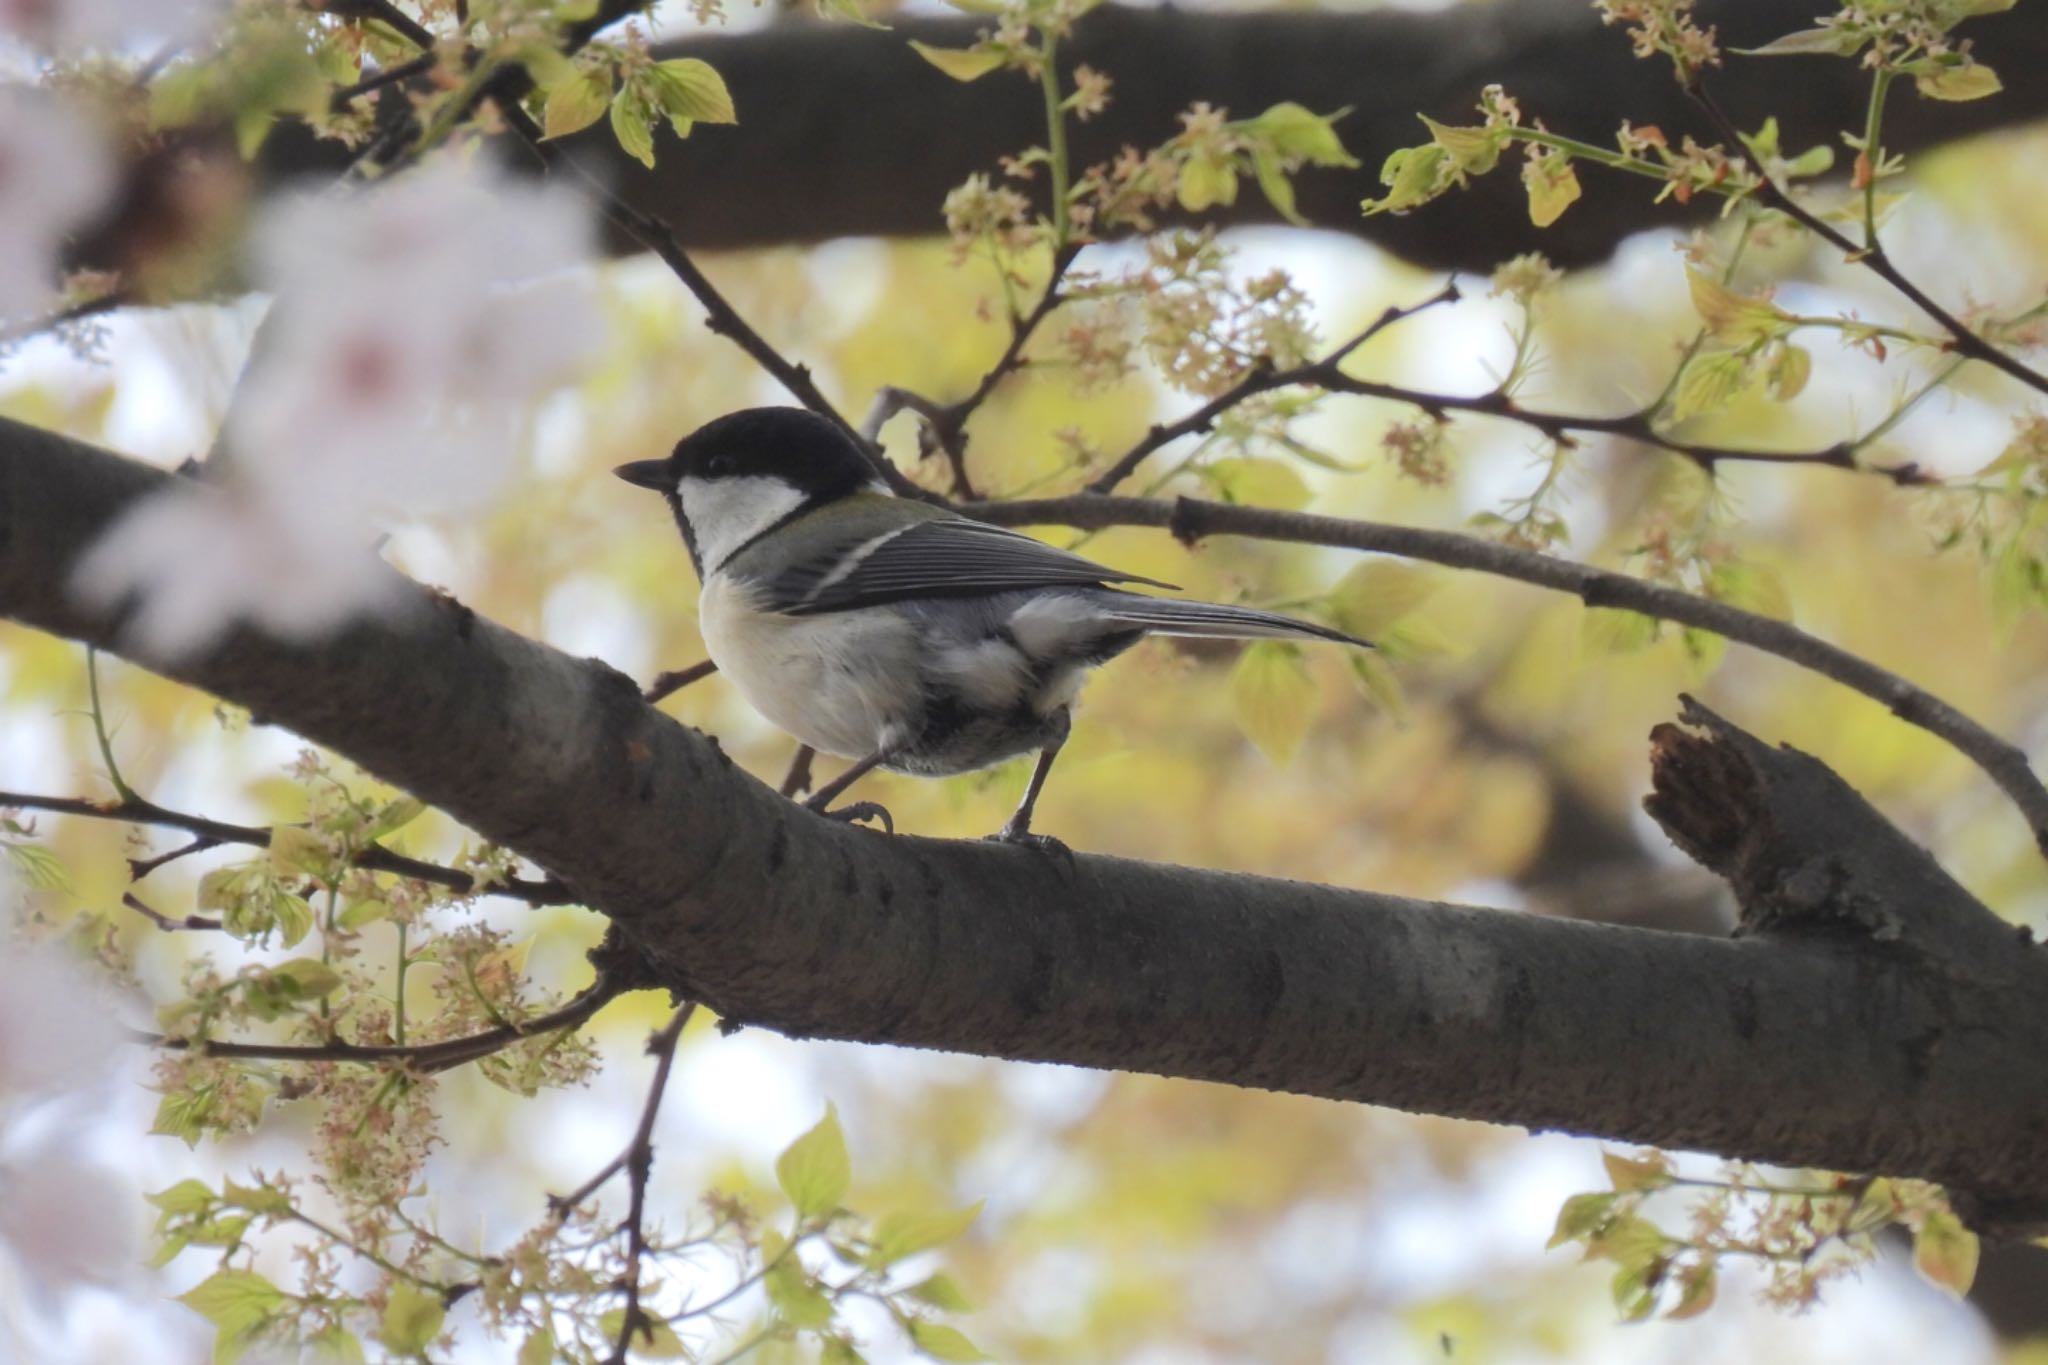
{"x": 725, "y": 514}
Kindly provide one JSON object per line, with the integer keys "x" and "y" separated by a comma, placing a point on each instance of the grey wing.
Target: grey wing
{"x": 949, "y": 557}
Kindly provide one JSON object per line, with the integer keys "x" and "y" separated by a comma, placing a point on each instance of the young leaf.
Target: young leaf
{"x": 1628, "y": 1175}
{"x": 1272, "y": 697}
{"x": 577, "y": 102}
{"x": 633, "y": 126}
{"x": 905, "y": 1234}
{"x": 1695, "y": 1291}
{"x": 940, "y": 1292}
{"x": 800, "y": 1302}
{"x": 814, "y": 1171}
{"x": 296, "y": 849}
{"x": 1206, "y": 181}
{"x": 1945, "y": 1251}
{"x": 961, "y": 63}
{"x": 412, "y": 1318}
{"x": 1580, "y": 1217}
{"x": 1611, "y": 630}
{"x": 1275, "y": 185}
{"x": 1947, "y": 81}
{"x": 1553, "y": 187}
{"x": 1833, "y": 42}
{"x": 236, "y": 1302}
{"x": 941, "y": 1342}
{"x": 1710, "y": 381}
{"x": 1378, "y": 592}
{"x": 1734, "y": 318}
{"x": 38, "y": 868}
{"x": 1293, "y": 130}
{"x": 689, "y": 88}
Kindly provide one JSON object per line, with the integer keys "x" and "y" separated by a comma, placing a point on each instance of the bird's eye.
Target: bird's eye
{"x": 718, "y": 466}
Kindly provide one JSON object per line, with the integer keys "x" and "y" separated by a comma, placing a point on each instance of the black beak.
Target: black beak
{"x": 648, "y": 474}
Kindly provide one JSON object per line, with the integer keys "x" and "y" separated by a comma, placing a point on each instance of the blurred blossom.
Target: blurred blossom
{"x": 55, "y": 172}
{"x": 68, "y": 26}
{"x": 415, "y": 323}
{"x": 57, "y": 1033}
{"x": 66, "y": 1222}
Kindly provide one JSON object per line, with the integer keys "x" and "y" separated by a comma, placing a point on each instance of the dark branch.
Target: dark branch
{"x": 730, "y": 895}
{"x": 795, "y": 170}
{"x": 1191, "y": 519}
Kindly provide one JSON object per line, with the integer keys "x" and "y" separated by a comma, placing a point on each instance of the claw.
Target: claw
{"x": 1021, "y": 837}
{"x": 854, "y": 811}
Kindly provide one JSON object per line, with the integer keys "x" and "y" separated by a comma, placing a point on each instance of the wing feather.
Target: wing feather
{"x": 949, "y": 557}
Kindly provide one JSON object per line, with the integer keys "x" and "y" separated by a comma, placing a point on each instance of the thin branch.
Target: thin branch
{"x": 390, "y": 75}
{"x": 377, "y": 858}
{"x": 638, "y": 1161}
{"x": 669, "y": 683}
{"x": 424, "y": 1058}
{"x": 1191, "y": 519}
{"x": 1966, "y": 342}
{"x": 138, "y": 868}
{"x": 165, "y": 922}
{"x": 797, "y": 780}
{"x": 1327, "y": 374}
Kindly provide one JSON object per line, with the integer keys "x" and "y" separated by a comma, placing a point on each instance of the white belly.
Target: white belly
{"x": 817, "y": 677}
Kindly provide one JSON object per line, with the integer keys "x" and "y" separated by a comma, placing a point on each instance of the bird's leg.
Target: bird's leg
{"x": 821, "y": 799}
{"x": 1018, "y": 828}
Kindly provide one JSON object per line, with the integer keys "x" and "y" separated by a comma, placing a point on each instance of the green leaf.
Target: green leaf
{"x": 633, "y": 126}
{"x": 1627, "y": 1240}
{"x": 187, "y": 1198}
{"x": 1710, "y": 381}
{"x": 575, "y": 104}
{"x": 1735, "y": 318}
{"x": 814, "y": 1170}
{"x": 691, "y": 89}
{"x": 1295, "y": 131}
{"x": 1955, "y": 83}
{"x": 1834, "y": 42}
{"x": 1474, "y": 151}
{"x": 257, "y": 1199}
{"x": 1377, "y": 677}
{"x": 538, "y": 1348}
{"x": 1272, "y": 697}
{"x": 905, "y": 1234}
{"x": 1635, "y": 1289}
{"x": 236, "y": 1302}
{"x": 1611, "y": 630}
{"x": 941, "y": 1342}
{"x": 1411, "y": 177}
{"x": 796, "y": 1296}
{"x": 295, "y": 849}
{"x": 1274, "y": 184}
{"x": 1376, "y": 593}
{"x": 961, "y": 63}
{"x": 38, "y": 868}
{"x": 1945, "y": 1252}
{"x": 1553, "y": 187}
{"x": 655, "y": 1340}
{"x": 849, "y": 10}
{"x": 940, "y": 1292}
{"x": 1580, "y": 1217}
{"x": 335, "y": 1346}
{"x": 1206, "y": 181}
{"x": 1696, "y": 1284}
{"x": 1627, "y": 1174}
{"x": 1254, "y": 482}
{"x": 1751, "y": 587}
{"x": 412, "y": 1318}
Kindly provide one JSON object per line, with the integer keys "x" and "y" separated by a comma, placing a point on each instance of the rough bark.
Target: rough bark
{"x": 846, "y": 131}
{"x": 1876, "y": 1018}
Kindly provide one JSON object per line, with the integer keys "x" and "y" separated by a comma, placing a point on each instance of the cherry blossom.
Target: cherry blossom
{"x": 55, "y": 173}
{"x": 415, "y": 322}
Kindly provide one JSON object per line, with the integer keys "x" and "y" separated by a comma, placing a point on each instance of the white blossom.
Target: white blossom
{"x": 68, "y": 26}
{"x": 55, "y": 173}
{"x": 415, "y": 323}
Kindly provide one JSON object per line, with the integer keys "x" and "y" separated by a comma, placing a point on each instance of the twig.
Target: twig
{"x": 797, "y": 780}
{"x": 1192, "y": 518}
{"x": 1326, "y": 374}
{"x": 949, "y": 423}
{"x": 390, "y": 75}
{"x": 163, "y": 921}
{"x": 138, "y": 868}
{"x": 669, "y": 683}
{"x": 420, "y": 1057}
{"x": 1872, "y": 255}
{"x": 140, "y": 811}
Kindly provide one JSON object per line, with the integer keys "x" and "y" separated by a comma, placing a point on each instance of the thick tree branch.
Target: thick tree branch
{"x": 1839, "y": 1050}
{"x": 798, "y": 168}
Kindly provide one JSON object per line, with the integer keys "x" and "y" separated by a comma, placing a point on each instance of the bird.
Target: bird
{"x": 896, "y": 632}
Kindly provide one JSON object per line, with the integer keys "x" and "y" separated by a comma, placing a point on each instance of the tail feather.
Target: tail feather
{"x": 1170, "y": 616}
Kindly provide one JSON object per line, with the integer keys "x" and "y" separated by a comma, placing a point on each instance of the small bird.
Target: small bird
{"x": 892, "y": 631}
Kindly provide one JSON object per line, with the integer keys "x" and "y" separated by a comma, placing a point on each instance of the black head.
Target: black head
{"x": 737, "y": 478}
{"x": 792, "y": 445}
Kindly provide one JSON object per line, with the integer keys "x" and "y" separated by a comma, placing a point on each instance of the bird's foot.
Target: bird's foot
{"x": 854, "y": 811}
{"x": 1022, "y": 837}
